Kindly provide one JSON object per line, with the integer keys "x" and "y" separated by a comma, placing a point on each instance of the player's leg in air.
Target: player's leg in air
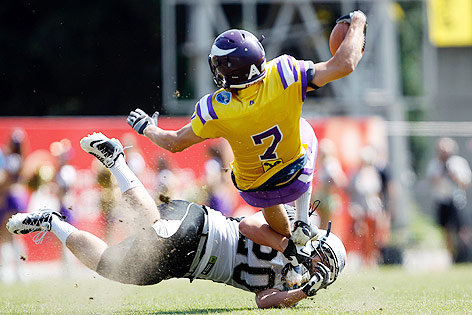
{"x": 87, "y": 247}
{"x": 110, "y": 153}
{"x": 302, "y": 230}
{"x": 139, "y": 259}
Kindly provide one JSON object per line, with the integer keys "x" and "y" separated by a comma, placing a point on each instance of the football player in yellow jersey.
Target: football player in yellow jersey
{"x": 258, "y": 111}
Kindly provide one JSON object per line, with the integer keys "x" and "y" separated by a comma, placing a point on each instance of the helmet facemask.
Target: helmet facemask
{"x": 331, "y": 252}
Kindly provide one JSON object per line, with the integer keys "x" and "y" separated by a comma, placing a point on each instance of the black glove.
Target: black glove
{"x": 348, "y": 17}
{"x": 319, "y": 280}
{"x": 297, "y": 254}
{"x": 325, "y": 272}
{"x": 139, "y": 120}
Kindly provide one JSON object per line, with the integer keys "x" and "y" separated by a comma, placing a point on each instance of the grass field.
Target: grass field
{"x": 377, "y": 291}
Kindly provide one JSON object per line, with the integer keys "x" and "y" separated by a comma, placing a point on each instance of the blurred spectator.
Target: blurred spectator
{"x": 390, "y": 253}
{"x": 167, "y": 180}
{"x": 65, "y": 177}
{"x": 366, "y": 207}
{"x": 64, "y": 180}
{"x": 13, "y": 198}
{"x": 134, "y": 158}
{"x": 109, "y": 199}
{"x": 217, "y": 182}
{"x": 331, "y": 181}
{"x": 449, "y": 176}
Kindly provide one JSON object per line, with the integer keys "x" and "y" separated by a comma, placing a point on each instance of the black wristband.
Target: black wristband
{"x": 313, "y": 86}
{"x": 290, "y": 250}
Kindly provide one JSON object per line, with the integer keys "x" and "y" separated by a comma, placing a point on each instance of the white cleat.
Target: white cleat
{"x": 39, "y": 221}
{"x": 104, "y": 149}
{"x": 304, "y": 232}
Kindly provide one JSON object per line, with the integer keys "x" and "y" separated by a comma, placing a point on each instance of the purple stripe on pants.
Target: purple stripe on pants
{"x": 293, "y": 191}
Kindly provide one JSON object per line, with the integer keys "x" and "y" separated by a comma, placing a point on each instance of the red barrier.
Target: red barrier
{"x": 348, "y": 134}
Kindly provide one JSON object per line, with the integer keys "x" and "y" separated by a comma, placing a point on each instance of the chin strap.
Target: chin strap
{"x": 329, "y": 229}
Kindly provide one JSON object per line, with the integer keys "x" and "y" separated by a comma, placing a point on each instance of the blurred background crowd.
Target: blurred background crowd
{"x": 395, "y": 137}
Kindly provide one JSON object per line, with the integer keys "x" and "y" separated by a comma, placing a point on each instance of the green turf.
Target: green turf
{"x": 377, "y": 291}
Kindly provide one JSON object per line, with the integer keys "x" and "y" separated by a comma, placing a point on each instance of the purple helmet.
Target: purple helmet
{"x": 237, "y": 59}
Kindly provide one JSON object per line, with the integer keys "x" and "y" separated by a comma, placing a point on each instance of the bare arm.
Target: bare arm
{"x": 346, "y": 57}
{"x": 276, "y": 298}
{"x": 173, "y": 140}
{"x": 256, "y": 228}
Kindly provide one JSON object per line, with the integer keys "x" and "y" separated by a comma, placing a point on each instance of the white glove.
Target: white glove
{"x": 294, "y": 277}
{"x": 139, "y": 120}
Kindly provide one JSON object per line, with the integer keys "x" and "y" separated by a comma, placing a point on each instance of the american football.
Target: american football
{"x": 337, "y": 36}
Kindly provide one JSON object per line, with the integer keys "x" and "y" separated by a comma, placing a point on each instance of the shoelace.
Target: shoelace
{"x": 313, "y": 207}
{"x": 44, "y": 228}
{"x": 108, "y": 155}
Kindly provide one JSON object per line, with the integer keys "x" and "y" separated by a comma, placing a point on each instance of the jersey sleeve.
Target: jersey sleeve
{"x": 294, "y": 72}
{"x": 310, "y": 73}
{"x": 202, "y": 118}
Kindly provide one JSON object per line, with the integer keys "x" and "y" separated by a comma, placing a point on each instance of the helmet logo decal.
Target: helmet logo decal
{"x": 223, "y": 97}
{"x": 253, "y": 72}
{"x": 216, "y": 51}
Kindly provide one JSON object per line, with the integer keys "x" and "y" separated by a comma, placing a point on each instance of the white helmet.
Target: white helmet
{"x": 331, "y": 251}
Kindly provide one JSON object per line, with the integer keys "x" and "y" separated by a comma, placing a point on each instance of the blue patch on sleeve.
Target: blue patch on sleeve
{"x": 223, "y": 97}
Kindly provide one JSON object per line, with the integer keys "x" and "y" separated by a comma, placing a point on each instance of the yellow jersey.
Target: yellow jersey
{"x": 261, "y": 122}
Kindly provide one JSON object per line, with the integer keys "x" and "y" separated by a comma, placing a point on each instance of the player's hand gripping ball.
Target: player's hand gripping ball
{"x": 337, "y": 36}
{"x": 342, "y": 27}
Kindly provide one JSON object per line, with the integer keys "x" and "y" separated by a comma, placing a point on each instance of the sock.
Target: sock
{"x": 124, "y": 176}
{"x": 61, "y": 229}
{"x": 302, "y": 204}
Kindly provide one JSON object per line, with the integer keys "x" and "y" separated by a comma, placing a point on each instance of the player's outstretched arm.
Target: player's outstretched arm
{"x": 170, "y": 140}
{"x": 271, "y": 298}
{"x": 276, "y": 298}
{"x": 347, "y": 56}
{"x": 173, "y": 140}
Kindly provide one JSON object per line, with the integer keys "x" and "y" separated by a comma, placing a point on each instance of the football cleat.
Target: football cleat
{"x": 39, "y": 221}
{"x": 104, "y": 149}
{"x": 304, "y": 232}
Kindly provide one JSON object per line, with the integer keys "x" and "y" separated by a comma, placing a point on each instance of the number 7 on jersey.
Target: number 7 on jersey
{"x": 270, "y": 153}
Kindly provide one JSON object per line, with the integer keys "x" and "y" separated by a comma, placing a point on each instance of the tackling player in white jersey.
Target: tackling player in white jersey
{"x": 184, "y": 240}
